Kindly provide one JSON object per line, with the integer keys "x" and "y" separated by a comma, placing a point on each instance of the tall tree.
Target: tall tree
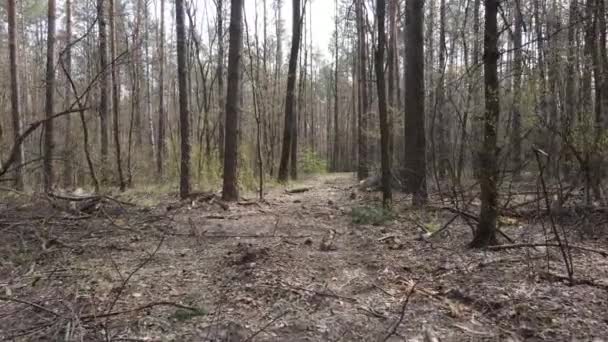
{"x": 220, "y": 75}
{"x": 103, "y": 88}
{"x": 382, "y": 104}
{"x": 290, "y": 121}
{"x": 363, "y": 112}
{"x": 68, "y": 148}
{"x": 230, "y": 190}
{"x": 15, "y": 105}
{"x": 414, "y": 173}
{"x": 184, "y": 116}
{"x": 336, "y": 147}
{"x": 50, "y": 95}
{"x": 115, "y": 95}
{"x": 485, "y": 234}
{"x": 161, "y": 95}
{"x": 517, "y": 75}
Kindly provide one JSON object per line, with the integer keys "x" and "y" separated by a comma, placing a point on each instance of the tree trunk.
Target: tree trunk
{"x": 161, "y": 96}
{"x": 15, "y": 105}
{"x": 485, "y": 233}
{"x": 184, "y": 117}
{"x": 103, "y": 89}
{"x": 230, "y": 190}
{"x": 516, "y": 110}
{"x": 363, "y": 112}
{"x": 220, "y": 76}
{"x": 115, "y": 96}
{"x": 290, "y": 94}
{"x": 50, "y": 95}
{"x": 382, "y": 105}
{"x": 336, "y": 147}
{"x": 415, "y": 138}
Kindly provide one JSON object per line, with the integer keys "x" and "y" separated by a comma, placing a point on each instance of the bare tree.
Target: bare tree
{"x": 363, "y": 112}
{"x": 290, "y": 120}
{"x": 161, "y": 95}
{"x": 485, "y": 233}
{"x": 50, "y": 95}
{"x": 103, "y": 88}
{"x": 415, "y": 140}
{"x": 230, "y": 190}
{"x": 184, "y": 117}
{"x": 116, "y": 96}
{"x": 382, "y": 104}
{"x": 15, "y": 105}
{"x": 68, "y": 172}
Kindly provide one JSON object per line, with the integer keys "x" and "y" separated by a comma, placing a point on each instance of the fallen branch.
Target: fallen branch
{"x": 34, "y": 305}
{"x": 140, "y": 308}
{"x": 250, "y": 338}
{"x": 298, "y": 190}
{"x": 401, "y": 314}
{"x": 531, "y": 245}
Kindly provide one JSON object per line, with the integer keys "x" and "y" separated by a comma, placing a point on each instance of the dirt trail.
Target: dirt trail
{"x": 294, "y": 268}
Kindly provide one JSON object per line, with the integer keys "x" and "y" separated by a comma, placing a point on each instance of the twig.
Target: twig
{"x": 34, "y": 305}
{"x": 323, "y": 294}
{"x": 140, "y": 308}
{"x": 401, "y": 315}
{"x": 250, "y": 338}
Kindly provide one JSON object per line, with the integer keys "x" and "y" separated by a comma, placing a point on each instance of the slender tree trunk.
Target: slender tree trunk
{"x": 68, "y": 171}
{"x": 103, "y": 89}
{"x": 569, "y": 120}
{"x": 382, "y": 105}
{"x": 415, "y": 136}
{"x": 49, "y": 143}
{"x": 15, "y": 105}
{"x": 363, "y": 167}
{"x": 184, "y": 116}
{"x": 517, "y": 75}
{"x": 115, "y": 96}
{"x": 290, "y": 94}
{"x": 231, "y": 188}
{"x": 486, "y": 229}
{"x": 220, "y": 76}
{"x": 161, "y": 96}
{"x": 336, "y": 147}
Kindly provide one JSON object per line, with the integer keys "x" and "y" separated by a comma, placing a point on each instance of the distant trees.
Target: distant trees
{"x": 230, "y": 190}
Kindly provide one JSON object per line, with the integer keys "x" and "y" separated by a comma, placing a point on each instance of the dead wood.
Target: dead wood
{"x": 298, "y": 190}
{"x": 530, "y": 245}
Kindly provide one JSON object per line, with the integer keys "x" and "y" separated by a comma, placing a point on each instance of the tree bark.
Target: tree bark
{"x": 103, "y": 89}
{"x": 230, "y": 190}
{"x": 363, "y": 112}
{"x": 50, "y": 95}
{"x": 161, "y": 96}
{"x": 485, "y": 233}
{"x": 382, "y": 105}
{"x": 517, "y": 75}
{"x": 415, "y": 137}
{"x": 68, "y": 171}
{"x": 290, "y": 94}
{"x": 184, "y": 117}
{"x": 116, "y": 96}
{"x": 15, "y": 100}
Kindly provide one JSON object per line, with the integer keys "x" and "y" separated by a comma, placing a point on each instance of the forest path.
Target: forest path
{"x": 292, "y": 268}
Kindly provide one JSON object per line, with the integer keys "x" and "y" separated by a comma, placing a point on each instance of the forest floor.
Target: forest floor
{"x": 304, "y": 265}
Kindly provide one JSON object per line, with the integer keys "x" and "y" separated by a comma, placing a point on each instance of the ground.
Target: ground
{"x": 298, "y": 266}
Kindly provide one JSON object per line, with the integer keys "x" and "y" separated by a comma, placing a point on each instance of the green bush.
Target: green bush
{"x": 371, "y": 215}
{"x": 310, "y": 162}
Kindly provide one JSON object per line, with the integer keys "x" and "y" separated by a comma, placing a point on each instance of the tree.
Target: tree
{"x": 382, "y": 104}
{"x": 116, "y": 96}
{"x": 49, "y": 143}
{"x": 220, "y": 75}
{"x": 290, "y": 121}
{"x": 517, "y": 75}
{"x": 485, "y": 234}
{"x": 230, "y": 190}
{"x": 15, "y": 105}
{"x": 103, "y": 88}
{"x": 184, "y": 116}
{"x": 414, "y": 173}
{"x": 363, "y": 165}
{"x": 68, "y": 148}
{"x": 161, "y": 95}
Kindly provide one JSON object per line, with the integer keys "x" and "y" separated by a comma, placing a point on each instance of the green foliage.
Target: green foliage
{"x": 310, "y": 162}
{"x": 371, "y": 215}
{"x": 182, "y": 315}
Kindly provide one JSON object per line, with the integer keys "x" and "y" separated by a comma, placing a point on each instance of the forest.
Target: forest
{"x": 303, "y": 170}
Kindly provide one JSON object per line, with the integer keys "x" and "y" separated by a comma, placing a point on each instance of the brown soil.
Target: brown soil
{"x": 293, "y": 268}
